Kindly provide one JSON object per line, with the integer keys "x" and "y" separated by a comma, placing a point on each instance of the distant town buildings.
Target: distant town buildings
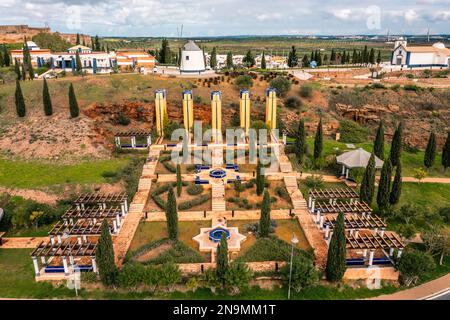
{"x": 135, "y": 59}
{"x": 404, "y": 55}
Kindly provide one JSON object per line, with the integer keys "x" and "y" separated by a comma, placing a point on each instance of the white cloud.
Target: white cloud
{"x": 410, "y": 15}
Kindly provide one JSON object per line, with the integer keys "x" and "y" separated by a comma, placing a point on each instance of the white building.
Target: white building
{"x": 436, "y": 55}
{"x": 192, "y": 58}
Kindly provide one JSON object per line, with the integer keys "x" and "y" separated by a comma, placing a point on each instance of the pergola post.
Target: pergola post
{"x": 399, "y": 254}
{"x": 94, "y": 264}
{"x": 133, "y": 142}
{"x": 372, "y": 252}
{"x": 118, "y": 142}
{"x": 125, "y": 202}
{"x": 317, "y": 216}
{"x": 327, "y": 231}
{"x": 347, "y": 170}
{"x": 100, "y": 206}
{"x": 382, "y": 232}
{"x": 309, "y": 202}
{"x": 391, "y": 252}
{"x": 52, "y": 240}
{"x": 343, "y": 170}
{"x": 59, "y": 239}
{"x": 79, "y": 240}
{"x": 36, "y": 266}
{"x": 321, "y": 222}
{"x": 118, "y": 220}
{"x": 122, "y": 207}
{"x": 43, "y": 261}
{"x": 149, "y": 140}
{"x": 66, "y": 268}
{"x": 115, "y": 226}
{"x": 71, "y": 260}
{"x": 84, "y": 238}
{"x": 356, "y": 235}
{"x": 313, "y": 205}
{"x": 284, "y": 137}
{"x": 365, "y": 253}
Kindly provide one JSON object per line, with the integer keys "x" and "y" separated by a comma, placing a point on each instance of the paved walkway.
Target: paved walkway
{"x": 420, "y": 292}
{"x": 22, "y": 242}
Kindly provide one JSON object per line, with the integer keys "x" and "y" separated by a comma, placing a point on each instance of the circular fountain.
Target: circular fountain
{"x": 217, "y": 173}
{"x": 215, "y": 235}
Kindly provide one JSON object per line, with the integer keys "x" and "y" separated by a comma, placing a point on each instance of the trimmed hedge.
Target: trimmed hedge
{"x": 194, "y": 202}
{"x": 194, "y": 189}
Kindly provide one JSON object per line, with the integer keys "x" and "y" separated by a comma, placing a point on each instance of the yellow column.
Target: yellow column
{"x": 188, "y": 110}
{"x": 271, "y": 108}
{"x": 161, "y": 110}
{"x": 216, "y": 118}
{"x": 245, "y": 110}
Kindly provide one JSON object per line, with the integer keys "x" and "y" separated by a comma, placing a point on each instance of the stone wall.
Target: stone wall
{"x": 198, "y": 268}
{"x": 372, "y": 274}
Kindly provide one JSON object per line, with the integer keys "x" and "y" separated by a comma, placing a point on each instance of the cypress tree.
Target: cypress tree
{"x": 336, "y": 263}
{"x": 301, "y": 147}
{"x": 17, "y": 69}
{"x": 396, "y": 145}
{"x": 379, "y": 57}
{"x": 24, "y": 72}
{"x": 368, "y": 183}
{"x": 78, "y": 39}
{"x": 172, "y": 215}
{"x": 27, "y": 61}
{"x": 48, "y": 109}
{"x": 292, "y": 57}
{"x": 79, "y": 66}
{"x": 446, "y": 153}
{"x": 264, "y": 219}
{"x": 333, "y": 57}
{"x": 222, "y": 258}
{"x": 260, "y": 180}
{"x": 20, "y": 102}
{"x": 263, "y": 61}
{"x": 384, "y": 185}
{"x": 396, "y": 190}
{"x": 229, "y": 60}
{"x": 378, "y": 146}
{"x": 105, "y": 256}
{"x": 430, "y": 151}
{"x": 354, "y": 56}
{"x": 305, "y": 61}
{"x": 6, "y": 58}
{"x": 213, "y": 60}
{"x": 372, "y": 56}
{"x": 179, "y": 181}
{"x": 318, "y": 141}
{"x": 2, "y": 61}
{"x": 73, "y": 104}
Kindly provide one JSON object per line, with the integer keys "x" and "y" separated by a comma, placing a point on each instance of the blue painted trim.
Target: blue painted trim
{"x": 426, "y": 65}
{"x": 408, "y": 57}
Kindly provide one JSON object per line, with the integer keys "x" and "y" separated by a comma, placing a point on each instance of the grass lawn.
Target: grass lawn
{"x": 151, "y": 231}
{"x": 31, "y": 232}
{"x": 410, "y": 160}
{"x": 432, "y": 195}
{"x": 35, "y": 174}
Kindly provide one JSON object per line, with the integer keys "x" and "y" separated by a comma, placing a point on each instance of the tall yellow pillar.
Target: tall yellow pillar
{"x": 216, "y": 117}
{"x": 271, "y": 108}
{"x": 244, "y": 110}
{"x": 188, "y": 110}
{"x": 161, "y": 110}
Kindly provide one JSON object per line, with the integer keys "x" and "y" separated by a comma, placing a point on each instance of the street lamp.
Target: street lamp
{"x": 294, "y": 242}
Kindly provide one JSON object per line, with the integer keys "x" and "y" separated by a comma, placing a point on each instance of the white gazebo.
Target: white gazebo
{"x": 358, "y": 158}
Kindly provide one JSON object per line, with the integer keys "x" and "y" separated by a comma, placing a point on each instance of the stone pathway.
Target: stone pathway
{"x": 218, "y": 196}
{"x": 298, "y": 202}
{"x": 22, "y": 242}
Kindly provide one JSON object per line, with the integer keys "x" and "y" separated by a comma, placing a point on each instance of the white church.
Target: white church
{"x": 407, "y": 56}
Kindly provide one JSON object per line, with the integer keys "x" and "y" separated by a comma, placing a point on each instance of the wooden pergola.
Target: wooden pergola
{"x": 72, "y": 250}
{"x": 331, "y": 195}
{"x": 101, "y": 199}
{"x": 92, "y": 213}
{"x": 346, "y": 207}
{"x": 385, "y": 241}
{"x": 133, "y": 134}
{"x": 81, "y": 228}
{"x": 353, "y": 221}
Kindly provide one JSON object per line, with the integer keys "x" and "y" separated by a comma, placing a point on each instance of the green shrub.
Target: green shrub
{"x": 352, "y": 132}
{"x": 194, "y": 202}
{"x": 122, "y": 119}
{"x": 282, "y": 193}
{"x": 109, "y": 174}
{"x": 293, "y": 102}
{"x": 306, "y": 91}
{"x": 243, "y": 82}
{"x": 281, "y": 84}
{"x": 194, "y": 189}
{"x": 314, "y": 182}
{"x": 411, "y": 87}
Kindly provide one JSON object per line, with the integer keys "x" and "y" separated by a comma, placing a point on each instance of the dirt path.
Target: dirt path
{"x": 22, "y": 242}
{"x": 420, "y": 292}
{"x": 35, "y": 195}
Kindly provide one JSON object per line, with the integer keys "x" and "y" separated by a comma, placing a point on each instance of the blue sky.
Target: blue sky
{"x": 230, "y": 17}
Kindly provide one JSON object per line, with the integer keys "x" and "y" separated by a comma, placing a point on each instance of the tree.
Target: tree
{"x": 368, "y": 183}
{"x": 318, "y": 141}
{"x": 430, "y": 151}
{"x": 396, "y": 190}
{"x": 336, "y": 262}
{"x": 372, "y": 56}
{"x": 237, "y": 277}
{"x": 172, "y": 215}
{"x": 292, "y": 58}
{"x": 249, "y": 59}
{"x": 379, "y": 57}
{"x": 78, "y": 39}
{"x": 305, "y": 60}
{"x": 333, "y": 57}
{"x": 17, "y": 69}
{"x": 437, "y": 241}
{"x": 446, "y": 153}
{"x": 281, "y": 84}
{"x": 413, "y": 265}
{"x": 97, "y": 45}
{"x": 260, "y": 179}
{"x": 164, "y": 53}
{"x": 27, "y": 60}
{"x": 79, "y": 66}
{"x": 222, "y": 259}
{"x": 19, "y": 100}
{"x": 73, "y": 104}
{"x": 179, "y": 181}
{"x": 105, "y": 256}
{"x": 419, "y": 174}
{"x": 2, "y": 61}
{"x": 6, "y": 57}
{"x": 378, "y": 146}
{"x": 243, "y": 82}
{"x": 264, "y": 220}
{"x": 48, "y": 108}
{"x": 238, "y": 187}
{"x": 384, "y": 186}
{"x": 396, "y": 145}
{"x": 213, "y": 60}
{"x": 229, "y": 60}
{"x": 304, "y": 273}
{"x": 263, "y": 61}
{"x": 301, "y": 147}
